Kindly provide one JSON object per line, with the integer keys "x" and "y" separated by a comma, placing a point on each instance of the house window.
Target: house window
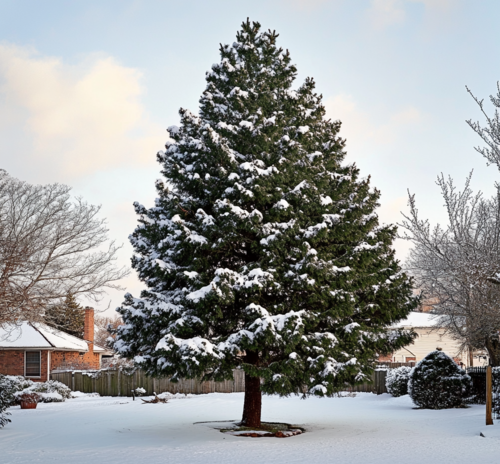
{"x": 32, "y": 364}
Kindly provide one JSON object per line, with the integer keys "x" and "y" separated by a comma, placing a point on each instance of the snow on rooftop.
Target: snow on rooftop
{"x": 60, "y": 339}
{"x": 39, "y": 335}
{"x": 419, "y": 320}
{"x": 100, "y": 349}
{"x": 23, "y": 335}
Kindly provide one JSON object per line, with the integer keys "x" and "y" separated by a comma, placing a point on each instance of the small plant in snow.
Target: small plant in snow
{"x": 437, "y": 382}
{"x": 27, "y": 396}
{"x": 139, "y": 391}
{"x": 396, "y": 380}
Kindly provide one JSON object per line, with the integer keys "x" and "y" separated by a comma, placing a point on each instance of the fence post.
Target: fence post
{"x": 489, "y": 418}
{"x": 73, "y": 381}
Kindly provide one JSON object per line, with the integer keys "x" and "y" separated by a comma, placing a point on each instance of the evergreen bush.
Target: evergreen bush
{"x": 396, "y": 380}
{"x": 437, "y": 382}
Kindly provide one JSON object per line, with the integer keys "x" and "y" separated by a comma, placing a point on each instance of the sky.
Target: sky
{"x": 87, "y": 90}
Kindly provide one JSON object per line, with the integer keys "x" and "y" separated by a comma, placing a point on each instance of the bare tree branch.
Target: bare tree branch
{"x": 453, "y": 265}
{"x": 50, "y": 246}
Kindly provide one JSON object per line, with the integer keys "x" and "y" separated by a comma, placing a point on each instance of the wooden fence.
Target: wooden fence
{"x": 376, "y": 385}
{"x": 115, "y": 382}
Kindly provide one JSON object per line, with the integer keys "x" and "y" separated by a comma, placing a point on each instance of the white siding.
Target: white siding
{"x": 428, "y": 340}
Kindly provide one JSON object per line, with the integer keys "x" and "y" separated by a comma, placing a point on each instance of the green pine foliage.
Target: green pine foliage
{"x": 437, "y": 382}
{"x": 263, "y": 249}
{"x": 67, "y": 316}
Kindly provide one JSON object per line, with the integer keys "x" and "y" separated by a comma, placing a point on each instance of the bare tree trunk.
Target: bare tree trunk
{"x": 252, "y": 406}
{"x": 493, "y": 348}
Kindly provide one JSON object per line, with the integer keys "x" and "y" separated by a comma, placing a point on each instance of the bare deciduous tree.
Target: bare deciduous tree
{"x": 490, "y": 134}
{"x": 453, "y": 265}
{"x": 50, "y": 245}
{"x": 104, "y": 327}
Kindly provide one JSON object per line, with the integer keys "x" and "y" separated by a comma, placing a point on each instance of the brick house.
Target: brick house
{"x": 33, "y": 350}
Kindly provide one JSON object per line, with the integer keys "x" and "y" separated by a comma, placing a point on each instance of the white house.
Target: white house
{"x": 430, "y": 337}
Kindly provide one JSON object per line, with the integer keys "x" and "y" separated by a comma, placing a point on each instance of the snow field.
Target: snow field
{"x": 364, "y": 429}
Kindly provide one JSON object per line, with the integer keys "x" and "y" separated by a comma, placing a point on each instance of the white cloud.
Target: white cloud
{"x": 76, "y": 119}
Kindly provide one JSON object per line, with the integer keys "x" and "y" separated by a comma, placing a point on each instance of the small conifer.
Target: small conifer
{"x": 67, "y": 316}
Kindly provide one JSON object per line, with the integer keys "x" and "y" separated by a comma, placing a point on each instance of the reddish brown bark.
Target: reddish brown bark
{"x": 253, "y": 396}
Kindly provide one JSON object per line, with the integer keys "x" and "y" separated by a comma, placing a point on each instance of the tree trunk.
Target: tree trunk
{"x": 253, "y": 396}
{"x": 493, "y": 348}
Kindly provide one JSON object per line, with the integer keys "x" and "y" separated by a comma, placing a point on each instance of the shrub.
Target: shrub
{"x": 51, "y": 391}
{"x": 26, "y": 396}
{"x": 9, "y": 386}
{"x": 396, "y": 380}
{"x": 437, "y": 382}
{"x": 14, "y": 383}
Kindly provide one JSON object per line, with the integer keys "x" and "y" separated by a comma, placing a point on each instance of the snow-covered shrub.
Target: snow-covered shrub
{"x": 140, "y": 391}
{"x": 436, "y": 382}
{"x": 396, "y": 380}
{"x": 51, "y": 391}
{"x": 27, "y": 396}
{"x": 12, "y": 384}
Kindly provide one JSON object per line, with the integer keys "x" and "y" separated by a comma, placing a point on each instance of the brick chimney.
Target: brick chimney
{"x": 88, "y": 328}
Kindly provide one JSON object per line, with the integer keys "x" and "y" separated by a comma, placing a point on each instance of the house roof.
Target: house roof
{"x": 418, "y": 320}
{"x": 38, "y": 335}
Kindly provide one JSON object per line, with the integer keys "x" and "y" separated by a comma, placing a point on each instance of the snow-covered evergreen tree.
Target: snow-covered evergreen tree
{"x": 437, "y": 382}
{"x": 263, "y": 250}
{"x": 67, "y": 316}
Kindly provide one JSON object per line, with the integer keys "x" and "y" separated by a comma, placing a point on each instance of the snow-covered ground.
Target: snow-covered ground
{"x": 364, "y": 429}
